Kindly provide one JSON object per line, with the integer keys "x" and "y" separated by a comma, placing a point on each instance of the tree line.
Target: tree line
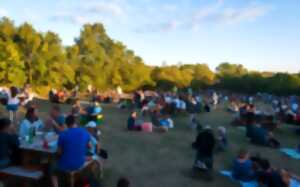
{"x": 40, "y": 59}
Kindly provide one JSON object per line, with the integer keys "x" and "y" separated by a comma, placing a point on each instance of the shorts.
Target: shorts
{"x": 12, "y": 107}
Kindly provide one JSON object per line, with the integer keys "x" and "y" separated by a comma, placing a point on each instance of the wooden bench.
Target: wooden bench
{"x": 72, "y": 175}
{"x": 22, "y": 173}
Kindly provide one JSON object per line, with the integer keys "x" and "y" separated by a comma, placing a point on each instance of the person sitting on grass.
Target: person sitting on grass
{"x": 204, "y": 145}
{"x": 55, "y": 121}
{"x": 242, "y": 168}
{"x": 31, "y": 122}
{"x": 73, "y": 146}
{"x": 131, "y": 122}
{"x": 166, "y": 123}
{"x": 9, "y": 144}
{"x": 94, "y": 113}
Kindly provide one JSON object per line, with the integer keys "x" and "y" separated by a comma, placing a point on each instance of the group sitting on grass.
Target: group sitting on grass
{"x": 164, "y": 124}
{"x": 79, "y": 137}
{"x": 246, "y": 169}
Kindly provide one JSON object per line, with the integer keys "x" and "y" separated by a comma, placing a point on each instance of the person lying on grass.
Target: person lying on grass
{"x": 262, "y": 137}
{"x": 258, "y": 135}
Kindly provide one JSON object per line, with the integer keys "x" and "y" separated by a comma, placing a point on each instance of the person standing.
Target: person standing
{"x": 204, "y": 145}
{"x": 13, "y": 104}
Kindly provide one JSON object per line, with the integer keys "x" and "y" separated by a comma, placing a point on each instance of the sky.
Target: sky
{"x": 262, "y": 35}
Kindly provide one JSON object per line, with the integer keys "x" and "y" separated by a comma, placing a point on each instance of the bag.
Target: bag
{"x": 103, "y": 154}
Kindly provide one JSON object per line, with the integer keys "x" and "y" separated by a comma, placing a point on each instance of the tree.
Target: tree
{"x": 28, "y": 41}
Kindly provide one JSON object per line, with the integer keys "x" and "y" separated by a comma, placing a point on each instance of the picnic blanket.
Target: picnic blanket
{"x": 243, "y": 184}
{"x": 294, "y": 183}
{"x": 291, "y": 153}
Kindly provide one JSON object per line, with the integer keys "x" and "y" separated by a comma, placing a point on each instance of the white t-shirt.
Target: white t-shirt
{"x": 12, "y": 100}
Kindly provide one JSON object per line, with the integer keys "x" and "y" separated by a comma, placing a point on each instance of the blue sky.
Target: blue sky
{"x": 260, "y": 34}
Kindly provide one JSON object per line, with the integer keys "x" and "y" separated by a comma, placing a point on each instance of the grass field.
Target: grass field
{"x": 165, "y": 160}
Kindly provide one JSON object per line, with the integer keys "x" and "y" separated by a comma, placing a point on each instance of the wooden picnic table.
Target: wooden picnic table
{"x": 35, "y": 161}
{"x": 35, "y": 151}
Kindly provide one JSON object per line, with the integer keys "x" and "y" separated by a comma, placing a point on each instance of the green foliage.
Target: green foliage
{"x": 29, "y": 56}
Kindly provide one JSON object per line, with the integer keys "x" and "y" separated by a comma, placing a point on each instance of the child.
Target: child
{"x": 13, "y": 104}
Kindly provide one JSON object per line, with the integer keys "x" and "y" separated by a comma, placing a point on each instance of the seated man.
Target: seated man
{"x": 242, "y": 168}
{"x": 73, "y": 145}
{"x": 56, "y": 120}
{"x": 9, "y": 144}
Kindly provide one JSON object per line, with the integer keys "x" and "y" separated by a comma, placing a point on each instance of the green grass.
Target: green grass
{"x": 165, "y": 160}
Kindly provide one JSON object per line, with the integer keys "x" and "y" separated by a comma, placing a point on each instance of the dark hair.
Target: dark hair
{"x": 4, "y": 123}
{"x": 265, "y": 164}
{"x": 13, "y": 91}
{"x": 70, "y": 120}
{"x": 30, "y": 114}
{"x": 123, "y": 182}
{"x": 242, "y": 153}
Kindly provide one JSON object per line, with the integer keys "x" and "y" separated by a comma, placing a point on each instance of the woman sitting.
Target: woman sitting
{"x": 243, "y": 167}
{"x": 30, "y": 123}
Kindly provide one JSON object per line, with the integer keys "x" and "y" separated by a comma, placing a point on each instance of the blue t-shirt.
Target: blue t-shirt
{"x": 74, "y": 145}
{"x": 242, "y": 170}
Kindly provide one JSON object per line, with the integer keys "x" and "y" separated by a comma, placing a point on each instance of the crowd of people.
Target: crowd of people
{"x": 79, "y": 136}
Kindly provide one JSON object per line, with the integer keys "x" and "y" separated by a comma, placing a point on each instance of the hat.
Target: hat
{"x": 91, "y": 124}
